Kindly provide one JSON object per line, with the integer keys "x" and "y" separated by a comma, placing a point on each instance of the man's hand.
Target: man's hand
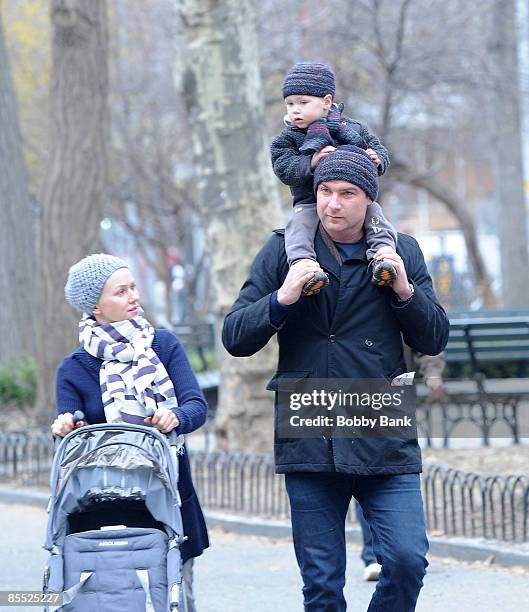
{"x": 373, "y": 155}
{"x": 401, "y": 285}
{"x": 164, "y": 420}
{"x": 299, "y": 274}
{"x": 319, "y": 154}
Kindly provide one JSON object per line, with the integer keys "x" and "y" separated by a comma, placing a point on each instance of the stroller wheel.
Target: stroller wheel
{"x": 45, "y": 579}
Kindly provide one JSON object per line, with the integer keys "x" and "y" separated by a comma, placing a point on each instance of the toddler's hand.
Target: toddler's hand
{"x": 320, "y": 154}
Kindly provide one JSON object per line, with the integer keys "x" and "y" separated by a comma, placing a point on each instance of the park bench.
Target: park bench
{"x": 479, "y": 344}
{"x": 497, "y": 340}
{"x": 199, "y": 338}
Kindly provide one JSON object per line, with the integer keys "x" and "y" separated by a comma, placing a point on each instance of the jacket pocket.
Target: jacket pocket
{"x": 400, "y": 370}
{"x": 288, "y": 379}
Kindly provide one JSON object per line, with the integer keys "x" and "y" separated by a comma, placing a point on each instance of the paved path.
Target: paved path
{"x": 247, "y": 573}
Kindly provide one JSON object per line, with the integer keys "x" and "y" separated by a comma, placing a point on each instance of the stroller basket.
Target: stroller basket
{"x": 114, "y": 525}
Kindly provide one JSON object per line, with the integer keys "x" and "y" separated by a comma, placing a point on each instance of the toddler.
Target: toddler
{"x": 315, "y": 127}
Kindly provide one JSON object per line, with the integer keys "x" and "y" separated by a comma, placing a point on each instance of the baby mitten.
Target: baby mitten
{"x": 334, "y": 118}
{"x": 341, "y": 130}
{"x": 348, "y": 135}
{"x": 318, "y": 136}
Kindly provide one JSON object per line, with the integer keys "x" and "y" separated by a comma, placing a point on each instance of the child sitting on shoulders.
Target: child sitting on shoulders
{"x": 314, "y": 128}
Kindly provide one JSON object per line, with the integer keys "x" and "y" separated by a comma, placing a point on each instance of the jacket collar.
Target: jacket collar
{"x": 326, "y": 258}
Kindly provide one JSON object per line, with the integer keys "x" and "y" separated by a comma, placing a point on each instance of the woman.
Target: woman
{"x": 124, "y": 370}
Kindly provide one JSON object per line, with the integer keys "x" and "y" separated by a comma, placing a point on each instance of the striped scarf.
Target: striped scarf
{"x": 134, "y": 382}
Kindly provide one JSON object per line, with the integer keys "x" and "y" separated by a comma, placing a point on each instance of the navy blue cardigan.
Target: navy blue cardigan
{"x": 77, "y": 388}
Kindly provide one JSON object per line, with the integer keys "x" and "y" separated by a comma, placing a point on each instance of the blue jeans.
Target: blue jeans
{"x": 393, "y": 508}
{"x": 368, "y": 554}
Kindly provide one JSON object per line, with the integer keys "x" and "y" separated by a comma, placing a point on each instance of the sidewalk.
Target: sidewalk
{"x": 242, "y": 572}
{"x": 461, "y": 549}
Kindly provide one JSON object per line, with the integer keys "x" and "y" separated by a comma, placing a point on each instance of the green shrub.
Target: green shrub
{"x": 18, "y": 383}
{"x": 196, "y": 361}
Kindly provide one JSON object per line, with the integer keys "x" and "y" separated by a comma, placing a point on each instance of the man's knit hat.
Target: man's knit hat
{"x": 348, "y": 163}
{"x": 87, "y": 278}
{"x": 309, "y": 79}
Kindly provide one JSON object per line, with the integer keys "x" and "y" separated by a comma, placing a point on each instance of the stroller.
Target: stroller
{"x": 114, "y": 525}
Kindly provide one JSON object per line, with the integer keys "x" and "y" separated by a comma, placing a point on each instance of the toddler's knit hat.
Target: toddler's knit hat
{"x": 348, "y": 163}
{"x": 309, "y": 79}
{"x": 87, "y": 278}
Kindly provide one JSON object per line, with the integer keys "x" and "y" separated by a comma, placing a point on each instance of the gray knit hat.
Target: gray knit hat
{"x": 348, "y": 163}
{"x": 309, "y": 79}
{"x": 87, "y": 278}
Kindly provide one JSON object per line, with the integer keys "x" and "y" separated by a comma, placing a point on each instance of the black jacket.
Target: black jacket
{"x": 351, "y": 329}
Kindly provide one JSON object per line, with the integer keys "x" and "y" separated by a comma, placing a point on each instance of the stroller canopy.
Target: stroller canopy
{"x": 107, "y": 462}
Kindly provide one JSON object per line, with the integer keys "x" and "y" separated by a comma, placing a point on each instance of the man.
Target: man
{"x": 352, "y": 329}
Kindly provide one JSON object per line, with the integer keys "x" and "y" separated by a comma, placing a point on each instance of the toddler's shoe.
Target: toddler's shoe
{"x": 315, "y": 284}
{"x": 383, "y": 272}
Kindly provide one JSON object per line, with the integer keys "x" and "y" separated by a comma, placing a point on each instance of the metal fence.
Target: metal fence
{"x": 473, "y": 505}
{"x": 457, "y": 503}
{"x": 25, "y": 458}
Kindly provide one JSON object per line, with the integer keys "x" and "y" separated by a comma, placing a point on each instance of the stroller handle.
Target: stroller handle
{"x": 77, "y": 416}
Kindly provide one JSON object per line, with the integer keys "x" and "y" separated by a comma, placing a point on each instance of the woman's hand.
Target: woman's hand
{"x": 164, "y": 420}
{"x": 64, "y": 424}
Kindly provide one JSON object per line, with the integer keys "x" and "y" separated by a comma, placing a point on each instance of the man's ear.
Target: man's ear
{"x": 327, "y": 102}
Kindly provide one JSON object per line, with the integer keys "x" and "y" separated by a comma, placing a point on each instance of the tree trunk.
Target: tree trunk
{"x": 17, "y": 226}
{"x": 238, "y": 197}
{"x": 401, "y": 172}
{"x": 76, "y": 178}
{"x": 506, "y": 149}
